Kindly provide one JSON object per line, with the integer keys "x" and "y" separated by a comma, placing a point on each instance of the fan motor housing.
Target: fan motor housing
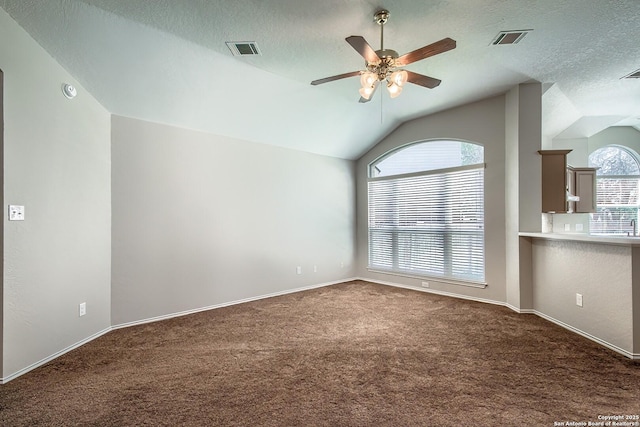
{"x": 381, "y": 17}
{"x": 387, "y": 53}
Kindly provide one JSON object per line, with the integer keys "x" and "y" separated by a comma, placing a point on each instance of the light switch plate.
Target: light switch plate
{"x": 16, "y": 213}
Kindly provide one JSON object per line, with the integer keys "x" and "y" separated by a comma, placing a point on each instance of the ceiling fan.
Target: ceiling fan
{"x": 384, "y": 64}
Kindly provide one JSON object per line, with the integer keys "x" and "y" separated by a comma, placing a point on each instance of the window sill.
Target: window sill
{"x": 448, "y": 281}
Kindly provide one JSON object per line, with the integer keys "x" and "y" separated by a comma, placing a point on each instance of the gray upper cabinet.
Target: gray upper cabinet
{"x": 560, "y": 181}
{"x": 554, "y": 180}
{"x": 585, "y": 188}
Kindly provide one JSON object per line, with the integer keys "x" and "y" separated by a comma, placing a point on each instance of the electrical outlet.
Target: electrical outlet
{"x": 299, "y": 270}
{"x": 82, "y": 308}
{"x": 315, "y": 268}
{"x": 579, "y": 300}
{"x": 567, "y": 227}
{"x": 425, "y": 284}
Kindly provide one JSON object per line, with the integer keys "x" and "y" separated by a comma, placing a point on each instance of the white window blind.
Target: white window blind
{"x": 429, "y": 223}
{"x": 618, "y": 183}
{"x": 618, "y": 204}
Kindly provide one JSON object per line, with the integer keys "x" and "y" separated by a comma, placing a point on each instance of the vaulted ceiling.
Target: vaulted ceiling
{"x": 166, "y": 61}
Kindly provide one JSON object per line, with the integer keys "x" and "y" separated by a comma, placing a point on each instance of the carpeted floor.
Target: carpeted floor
{"x": 355, "y": 354}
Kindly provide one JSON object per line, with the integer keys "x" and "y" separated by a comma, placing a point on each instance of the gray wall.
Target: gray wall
{"x": 626, "y": 136}
{"x": 198, "y": 220}
{"x": 2, "y": 226}
{"x": 201, "y": 220}
{"x": 481, "y": 122}
{"x": 523, "y": 188}
{"x": 607, "y": 276}
{"x": 56, "y": 164}
{"x": 601, "y": 273}
{"x": 635, "y": 295}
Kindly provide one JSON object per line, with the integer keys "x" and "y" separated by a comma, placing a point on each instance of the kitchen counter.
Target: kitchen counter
{"x": 577, "y": 237}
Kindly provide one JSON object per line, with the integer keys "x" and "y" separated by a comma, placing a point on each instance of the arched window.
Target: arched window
{"x": 618, "y": 183}
{"x": 426, "y": 211}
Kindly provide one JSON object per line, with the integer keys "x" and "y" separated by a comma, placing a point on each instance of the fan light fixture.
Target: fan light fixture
{"x": 385, "y": 68}
{"x": 368, "y": 81}
{"x": 384, "y": 65}
{"x": 395, "y": 81}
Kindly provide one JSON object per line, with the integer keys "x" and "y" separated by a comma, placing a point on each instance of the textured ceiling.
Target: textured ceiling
{"x": 166, "y": 61}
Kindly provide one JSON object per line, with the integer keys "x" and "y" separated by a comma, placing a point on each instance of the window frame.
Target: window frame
{"x": 636, "y": 158}
{"x": 445, "y": 231}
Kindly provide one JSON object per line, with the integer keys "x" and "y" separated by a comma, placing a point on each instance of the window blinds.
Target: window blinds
{"x": 429, "y": 224}
{"x": 618, "y": 201}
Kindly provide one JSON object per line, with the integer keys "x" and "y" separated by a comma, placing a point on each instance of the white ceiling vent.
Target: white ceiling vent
{"x": 510, "y": 37}
{"x": 243, "y": 48}
{"x": 634, "y": 75}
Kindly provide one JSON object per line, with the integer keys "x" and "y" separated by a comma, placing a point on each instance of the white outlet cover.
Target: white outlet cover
{"x": 16, "y": 213}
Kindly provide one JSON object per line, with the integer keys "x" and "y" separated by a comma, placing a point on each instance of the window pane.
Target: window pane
{"x": 612, "y": 160}
{"x": 420, "y": 251}
{"x": 467, "y": 257}
{"x": 427, "y": 156}
{"x": 380, "y": 253}
{"x": 430, "y": 224}
{"x": 617, "y": 191}
{"x": 618, "y": 198}
{"x": 613, "y": 220}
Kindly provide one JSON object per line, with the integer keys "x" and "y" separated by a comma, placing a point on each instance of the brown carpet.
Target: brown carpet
{"x": 355, "y": 354}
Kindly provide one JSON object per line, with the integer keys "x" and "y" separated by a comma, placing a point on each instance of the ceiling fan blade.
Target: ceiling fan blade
{"x": 363, "y": 48}
{"x": 375, "y": 87}
{"x": 426, "y": 51}
{"x": 338, "y": 77}
{"x": 422, "y": 80}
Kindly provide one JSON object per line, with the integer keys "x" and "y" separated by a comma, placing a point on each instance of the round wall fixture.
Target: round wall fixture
{"x": 69, "y": 91}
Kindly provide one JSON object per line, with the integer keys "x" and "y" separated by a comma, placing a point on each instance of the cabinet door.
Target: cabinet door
{"x": 571, "y": 190}
{"x": 554, "y": 180}
{"x": 585, "y": 180}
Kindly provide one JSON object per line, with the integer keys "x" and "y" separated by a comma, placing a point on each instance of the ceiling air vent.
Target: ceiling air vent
{"x": 510, "y": 37}
{"x": 634, "y": 75}
{"x": 243, "y": 48}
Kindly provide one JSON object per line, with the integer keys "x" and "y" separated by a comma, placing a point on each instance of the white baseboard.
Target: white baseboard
{"x": 4, "y": 380}
{"x": 227, "y": 304}
{"x": 432, "y": 291}
{"x": 630, "y": 355}
{"x": 48, "y": 359}
{"x": 519, "y": 310}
